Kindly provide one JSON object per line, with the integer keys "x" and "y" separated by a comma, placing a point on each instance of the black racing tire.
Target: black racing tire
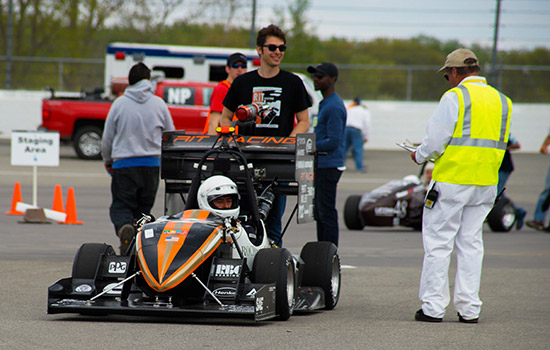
{"x": 87, "y": 258}
{"x": 351, "y": 213}
{"x": 276, "y": 265}
{"x": 503, "y": 215}
{"x": 87, "y": 142}
{"x": 322, "y": 269}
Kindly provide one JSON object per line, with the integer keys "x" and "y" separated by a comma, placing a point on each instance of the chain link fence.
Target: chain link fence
{"x": 527, "y": 84}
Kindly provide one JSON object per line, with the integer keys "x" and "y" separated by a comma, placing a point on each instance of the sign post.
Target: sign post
{"x": 34, "y": 148}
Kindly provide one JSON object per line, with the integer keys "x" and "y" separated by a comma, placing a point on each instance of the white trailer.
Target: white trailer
{"x": 193, "y": 63}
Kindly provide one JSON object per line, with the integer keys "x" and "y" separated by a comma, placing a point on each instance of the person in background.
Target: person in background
{"x": 130, "y": 148}
{"x": 504, "y": 172}
{"x": 539, "y": 217}
{"x": 235, "y": 66}
{"x": 330, "y": 130}
{"x": 467, "y": 136}
{"x": 357, "y": 131}
{"x": 285, "y": 94}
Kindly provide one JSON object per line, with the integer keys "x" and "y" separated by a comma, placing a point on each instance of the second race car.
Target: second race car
{"x": 401, "y": 202}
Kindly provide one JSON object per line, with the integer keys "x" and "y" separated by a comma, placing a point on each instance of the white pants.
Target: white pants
{"x": 456, "y": 219}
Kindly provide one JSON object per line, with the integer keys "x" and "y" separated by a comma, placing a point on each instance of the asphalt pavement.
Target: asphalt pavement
{"x": 380, "y": 276}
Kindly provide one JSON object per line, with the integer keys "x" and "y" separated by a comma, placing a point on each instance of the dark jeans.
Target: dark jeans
{"x": 133, "y": 192}
{"x": 354, "y": 138}
{"x": 326, "y": 215}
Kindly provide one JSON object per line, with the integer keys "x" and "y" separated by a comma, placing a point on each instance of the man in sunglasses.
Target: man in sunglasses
{"x": 235, "y": 66}
{"x": 285, "y": 94}
{"x": 330, "y": 138}
{"x": 467, "y": 136}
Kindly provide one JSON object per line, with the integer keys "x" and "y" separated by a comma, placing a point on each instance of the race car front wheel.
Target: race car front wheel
{"x": 276, "y": 265}
{"x": 87, "y": 258}
{"x": 322, "y": 269}
{"x": 351, "y": 213}
{"x": 503, "y": 215}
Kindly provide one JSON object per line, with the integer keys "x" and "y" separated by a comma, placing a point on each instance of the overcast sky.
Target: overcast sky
{"x": 524, "y": 24}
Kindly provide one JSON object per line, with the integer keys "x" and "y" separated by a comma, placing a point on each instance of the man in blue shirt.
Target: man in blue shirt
{"x": 330, "y": 135}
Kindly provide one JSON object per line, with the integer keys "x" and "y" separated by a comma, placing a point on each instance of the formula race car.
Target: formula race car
{"x": 193, "y": 262}
{"x": 400, "y": 203}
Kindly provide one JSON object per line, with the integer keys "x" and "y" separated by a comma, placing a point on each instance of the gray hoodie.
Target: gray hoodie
{"x": 135, "y": 124}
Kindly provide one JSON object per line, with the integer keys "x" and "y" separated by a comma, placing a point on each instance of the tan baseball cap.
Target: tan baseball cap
{"x": 460, "y": 58}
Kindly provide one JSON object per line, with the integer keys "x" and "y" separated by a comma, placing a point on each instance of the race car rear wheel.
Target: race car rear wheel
{"x": 276, "y": 265}
{"x": 322, "y": 269}
{"x": 503, "y": 215}
{"x": 87, "y": 258}
{"x": 351, "y": 213}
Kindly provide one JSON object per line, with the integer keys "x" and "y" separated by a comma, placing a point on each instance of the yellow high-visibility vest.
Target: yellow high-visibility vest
{"x": 475, "y": 152}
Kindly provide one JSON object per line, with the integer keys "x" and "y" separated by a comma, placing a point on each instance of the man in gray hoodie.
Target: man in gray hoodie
{"x": 130, "y": 147}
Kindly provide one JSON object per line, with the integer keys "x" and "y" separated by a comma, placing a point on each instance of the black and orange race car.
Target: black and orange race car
{"x": 191, "y": 262}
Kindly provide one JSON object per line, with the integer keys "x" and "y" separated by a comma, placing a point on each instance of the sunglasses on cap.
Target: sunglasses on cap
{"x": 273, "y": 47}
{"x": 237, "y": 65}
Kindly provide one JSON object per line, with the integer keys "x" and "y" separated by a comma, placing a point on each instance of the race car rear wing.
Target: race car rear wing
{"x": 288, "y": 160}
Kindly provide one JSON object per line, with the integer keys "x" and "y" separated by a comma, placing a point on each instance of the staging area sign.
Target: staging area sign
{"x": 35, "y": 148}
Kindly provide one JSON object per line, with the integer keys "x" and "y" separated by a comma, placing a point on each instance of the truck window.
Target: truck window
{"x": 179, "y": 95}
{"x": 217, "y": 73}
{"x": 171, "y": 72}
{"x": 206, "y": 95}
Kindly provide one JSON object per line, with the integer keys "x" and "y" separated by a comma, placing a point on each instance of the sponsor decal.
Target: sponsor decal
{"x": 260, "y": 304}
{"x": 83, "y": 288}
{"x": 149, "y": 233}
{"x": 113, "y": 291}
{"x": 117, "y": 267}
{"x": 248, "y": 251}
{"x": 171, "y": 239}
{"x": 225, "y": 292}
{"x": 385, "y": 211}
{"x": 227, "y": 271}
{"x": 238, "y": 139}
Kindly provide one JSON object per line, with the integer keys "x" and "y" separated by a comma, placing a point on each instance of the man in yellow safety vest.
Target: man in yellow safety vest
{"x": 467, "y": 136}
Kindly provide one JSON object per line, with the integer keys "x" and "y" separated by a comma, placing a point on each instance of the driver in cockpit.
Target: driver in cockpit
{"x": 219, "y": 195}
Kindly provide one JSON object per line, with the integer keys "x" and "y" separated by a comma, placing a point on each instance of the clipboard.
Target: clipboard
{"x": 406, "y": 147}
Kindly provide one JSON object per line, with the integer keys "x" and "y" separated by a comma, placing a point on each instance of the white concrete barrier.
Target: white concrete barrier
{"x": 50, "y": 214}
{"x": 392, "y": 121}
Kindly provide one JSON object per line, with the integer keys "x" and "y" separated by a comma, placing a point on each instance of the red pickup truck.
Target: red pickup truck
{"x": 81, "y": 119}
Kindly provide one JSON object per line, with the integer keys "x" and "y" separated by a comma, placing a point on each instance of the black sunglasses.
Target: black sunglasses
{"x": 237, "y": 65}
{"x": 318, "y": 76}
{"x": 273, "y": 47}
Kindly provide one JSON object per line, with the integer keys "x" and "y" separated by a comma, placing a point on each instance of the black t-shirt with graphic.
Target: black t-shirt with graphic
{"x": 284, "y": 93}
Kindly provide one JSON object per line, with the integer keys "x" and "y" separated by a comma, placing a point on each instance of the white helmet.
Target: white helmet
{"x": 218, "y": 186}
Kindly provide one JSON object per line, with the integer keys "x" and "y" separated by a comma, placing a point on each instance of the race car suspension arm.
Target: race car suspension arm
{"x": 107, "y": 290}
{"x": 208, "y": 290}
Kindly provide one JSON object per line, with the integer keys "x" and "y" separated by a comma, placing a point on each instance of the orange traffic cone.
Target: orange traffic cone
{"x": 17, "y": 197}
{"x": 57, "y": 203}
{"x": 71, "y": 209}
